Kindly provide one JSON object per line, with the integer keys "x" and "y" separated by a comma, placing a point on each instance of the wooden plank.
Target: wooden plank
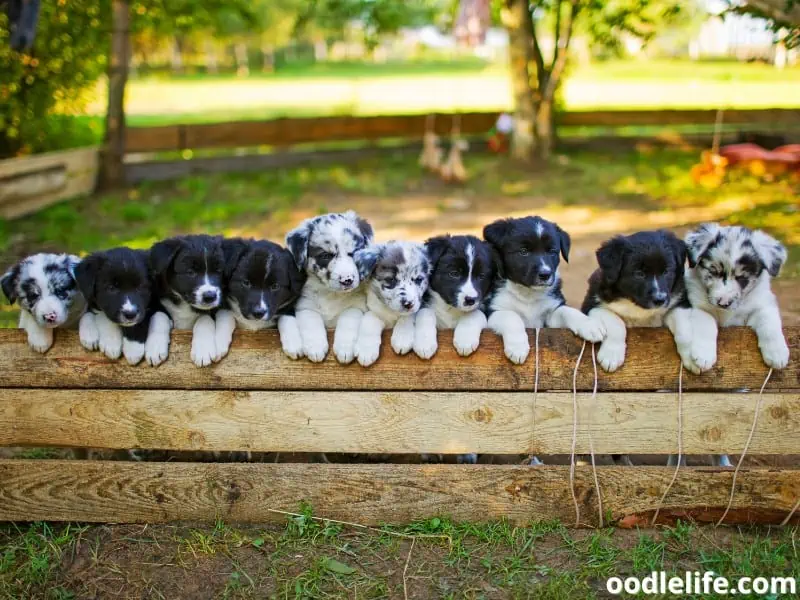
{"x": 627, "y": 118}
{"x": 256, "y": 362}
{"x": 120, "y": 492}
{"x": 396, "y": 422}
{"x": 153, "y": 139}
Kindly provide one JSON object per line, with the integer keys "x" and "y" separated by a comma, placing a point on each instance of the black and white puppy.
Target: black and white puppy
{"x": 640, "y": 283}
{"x": 123, "y": 315}
{"x": 528, "y": 290}
{"x": 394, "y": 295}
{"x": 263, "y": 284}
{"x": 48, "y": 296}
{"x": 464, "y": 269}
{"x": 189, "y": 276}
{"x": 336, "y": 252}
{"x": 729, "y": 275}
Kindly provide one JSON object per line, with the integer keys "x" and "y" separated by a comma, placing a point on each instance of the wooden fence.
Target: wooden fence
{"x": 258, "y": 400}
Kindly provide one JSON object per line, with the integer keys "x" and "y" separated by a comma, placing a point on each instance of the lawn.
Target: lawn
{"x": 465, "y": 85}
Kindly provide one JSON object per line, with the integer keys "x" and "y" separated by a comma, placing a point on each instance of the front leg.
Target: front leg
{"x": 425, "y": 340}
{"x": 314, "y": 335}
{"x": 225, "y": 325}
{"x": 612, "y": 351}
{"x": 156, "y": 348}
{"x": 766, "y": 322}
{"x": 291, "y": 340}
{"x": 133, "y": 342}
{"x": 346, "y": 334}
{"x": 695, "y": 333}
{"x": 510, "y": 326}
{"x": 204, "y": 347}
{"x": 403, "y": 334}
{"x": 467, "y": 334}
{"x": 110, "y": 336}
{"x": 368, "y": 344}
{"x": 87, "y": 331}
{"x": 564, "y": 316}
{"x": 39, "y": 338}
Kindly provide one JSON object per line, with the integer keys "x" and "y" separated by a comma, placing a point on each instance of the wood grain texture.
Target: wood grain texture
{"x": 98, "y": 491}
{"x": 256, "y": 362}
{"x": 396, "y": 422}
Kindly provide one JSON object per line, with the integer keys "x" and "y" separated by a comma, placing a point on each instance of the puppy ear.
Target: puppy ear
{"x": 771, "y": 252}
{"x": 364, "y": 227}
{"x": 565, "y": 242}
{"x": 70, "y": 262}
{"x": 497, "y": 263}
{"x": 297, "y": 243}
{"x": 366, "y": 259}
{"x": 698, "y": 240}
{"x": 297, "y": 277}
{"x": 9, "y": 282}
{"x": 163, "y": 253}
{"x": 86, "y": 274}
{"x": 611, "y": 257}
{"x": 678, "y": 247}
{"x": 435, "y": 247}
{"x": 232, "y": 251}
{"x": 495, "y": 232}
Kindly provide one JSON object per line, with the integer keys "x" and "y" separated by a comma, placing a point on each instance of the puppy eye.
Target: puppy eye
{"x": 523, "y": 252}
{"x": 391, "y": 282}
{"x": 639, "y": 273}
{"x": 742, "y": 281}
{"x": 454, "y": 274}
{"x": 33, "y": 297}
{"x": 327, "y": 256}
{"x": 419, "y": 280}
{"x": 275, "y": 286}
{"x": 112, "y": 285}
{"x": 246, "y": 283}
{"x": 61, "y": 294}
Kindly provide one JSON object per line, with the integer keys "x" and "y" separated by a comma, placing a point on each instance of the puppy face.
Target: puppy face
{"x": 334, "y": 249}
{"x": 645, "y": 268}
{"x": 118, "y": 283}
{"x": 44, "y": 285}
{"x": 529, "y": 249}
{"x": 464, "y": 268}
{"x": 191, "y": 267}
{"x": 730, "y": 260}
{"x": 400, "y": 277}
{"x": 262, "y": 278}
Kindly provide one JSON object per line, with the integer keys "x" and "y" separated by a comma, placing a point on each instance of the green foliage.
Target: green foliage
{"x": 67, "y": 58}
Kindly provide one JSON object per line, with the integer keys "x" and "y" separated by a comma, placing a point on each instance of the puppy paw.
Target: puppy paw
{"x": 133, "y": 351}
{"x": 611, "y": 355}
{"x": 402, "y": 340}
{"x": 316, "y": 350}
{"x": 426, "y": 345}
{"x": 344, "y": 350}
{"x": 110, "y": 342}
{"x": 156, "y": 349}
{"x": 223, "y": 333}
{"x": 590, "y": 330}
{"x": 204, "y": 350}
{"x": 466, "y": 340}
{"x": 292, "y": 344}
{"x": 40, "y": 339}
{"x": 87, "y": 331}
{"x": 516, "y": 348}
{"x": 467, "y": 459}
{"x": 775, "y": 352}
{"x": 535, "y": 462}
{"x": 704, "y": 354}
{"x": 367, "y": 350}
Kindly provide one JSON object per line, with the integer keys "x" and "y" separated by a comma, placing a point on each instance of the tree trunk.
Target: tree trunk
{"x": 211, "y": 57}
{"x": 515, "y": 16}
{"x": 267, "y": 57}
{"x": 242, "y": 61}
{"x": 177, "y": 55}
{"x": 545, "y": 130}
{"x": 113, "y": 172}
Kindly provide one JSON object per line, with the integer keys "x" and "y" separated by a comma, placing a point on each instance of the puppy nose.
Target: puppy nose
{"x": 51, "y": 317}
{"x": 407, "y": 304}
{"x": 346, "y": 282}
{"x": 209, "y": 296}
{"x": 543, "y": 276}
{"x": 259, "y": 312}
{"x": 660, "y": 298}
{"x": 470, "y": 300}
{"x": 129, "y": 313}
{"x": 725, "y": 303}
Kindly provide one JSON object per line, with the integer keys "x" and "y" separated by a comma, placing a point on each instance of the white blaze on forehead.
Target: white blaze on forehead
{"x": 539, "y": 229}
{"x": 128, "y": 305}
{"x": 656, "y": 287}
{"x": 468, "y": 289}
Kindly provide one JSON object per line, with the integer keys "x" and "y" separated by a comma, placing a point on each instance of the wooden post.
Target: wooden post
{"x": 113, "y": 172}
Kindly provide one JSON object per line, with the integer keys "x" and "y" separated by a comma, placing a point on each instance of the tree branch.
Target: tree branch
{"x": 536, "y": 51}
{"x": 560, "y": 54}
{"x": 557, "y": 34}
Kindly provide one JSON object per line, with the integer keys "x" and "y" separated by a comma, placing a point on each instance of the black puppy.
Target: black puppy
{"x": 640, "y": 283}
{"x": 528, "y": 292}
{"x": 122, "y": 315}
{"x": 464, "y": 269}
{"x": 189, "y": 277}
{"x": 263, "y": 284}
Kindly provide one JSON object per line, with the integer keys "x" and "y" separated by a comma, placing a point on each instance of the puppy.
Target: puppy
{"x": 122, "y": 316}
{"x": 394, "y": 295}
{"x": 263, "y": 284}
{"x": 189, "y": 277}
{"x": 528, "y": 290}
{"x": 335, "y": 250}
{"x": 640, "y": 283}
{"x": 464, "y": 269}
{"x": 48, "y": 296}
{"x": 729, "y": 278}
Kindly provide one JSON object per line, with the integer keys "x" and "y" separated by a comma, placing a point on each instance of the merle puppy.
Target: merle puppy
{"x": 189, "y": 276}
{"x": 640, "y": 283}
{"x": 263, "y": 284}
{"x": 528, "y": 290}
{"x": 464, "y": 268}
{"x": 123, "y": 315}
{"x": 394, "y": 295}
{"x": 335, "y": 251}
{"x": 48, "y": 295}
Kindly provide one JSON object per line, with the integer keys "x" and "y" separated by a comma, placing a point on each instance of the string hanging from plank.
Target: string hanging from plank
{"x": 746, "y": 447}
{"x": 453, "y": 169}
{"x": 431, "y": 157}
{"x": 680, "y": 446}
{"x": 788, "y": 518}
{"x": 575, "y": 436}
{"x": 591, "y": 446}
{"x": 532, "y": 448}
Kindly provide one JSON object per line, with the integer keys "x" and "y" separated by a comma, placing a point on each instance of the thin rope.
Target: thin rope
{"x": 680, "y": 446}
{"x": 746, "y": 446}
{"x": 788, "y": 518}
{"x": 456, "y": 131}
{"x": 717, "y": 132}
{"x": 405, "y": 569}
{"x": 532, "y": 449}
{"x": 430, "y": 123}
{"x": 591, "y": 446}
{"x": 575, "y": 436}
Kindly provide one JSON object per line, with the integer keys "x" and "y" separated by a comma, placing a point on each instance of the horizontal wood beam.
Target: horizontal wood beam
{"x": 256, "y": 362}
{"x": 397, "y": 422}
{"x": 119, "y": 492}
